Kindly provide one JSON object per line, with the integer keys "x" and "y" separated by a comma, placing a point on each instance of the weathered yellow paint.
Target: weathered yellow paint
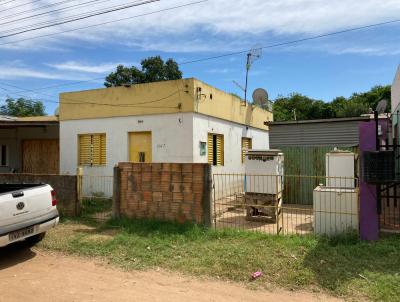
{"x": 140, "y": 142}
{"x": 217, "y": 103}
{"x": 186, "y": 95}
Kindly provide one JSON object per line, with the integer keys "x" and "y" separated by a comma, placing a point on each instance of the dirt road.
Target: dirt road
{"x": 34, "y": 275}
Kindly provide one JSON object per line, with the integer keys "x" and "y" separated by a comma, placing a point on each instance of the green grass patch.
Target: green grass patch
{"x": 343, "y": 266}
{"x": 95, "y": 205}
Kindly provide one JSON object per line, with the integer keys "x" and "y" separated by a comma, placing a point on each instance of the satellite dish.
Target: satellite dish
{"x": 260, "y": 97}
{"x": 381, "y": 108}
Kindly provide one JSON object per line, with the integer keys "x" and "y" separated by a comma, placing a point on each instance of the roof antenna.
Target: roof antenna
{"x": 253, "y": 55}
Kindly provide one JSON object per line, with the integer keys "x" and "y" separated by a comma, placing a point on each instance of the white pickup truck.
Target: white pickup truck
{"x": 27, "y": 211}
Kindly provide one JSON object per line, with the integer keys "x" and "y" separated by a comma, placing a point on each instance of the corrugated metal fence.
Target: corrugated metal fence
{"x": 305, "y": 161}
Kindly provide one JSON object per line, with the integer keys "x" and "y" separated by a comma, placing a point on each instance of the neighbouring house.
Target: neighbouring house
{"x": 181, "y": 121}
{"x": 29, "y": 144}
{"x": 396, "y": 105}
{"x": 339, "y": 132}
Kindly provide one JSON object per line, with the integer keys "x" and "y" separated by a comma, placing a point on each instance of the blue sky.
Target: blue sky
{"x": 322, "y": 68}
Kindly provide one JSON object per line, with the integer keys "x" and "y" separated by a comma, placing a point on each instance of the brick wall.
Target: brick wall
{"x": 64, "y": 185}
{"x": 165, "y": 191}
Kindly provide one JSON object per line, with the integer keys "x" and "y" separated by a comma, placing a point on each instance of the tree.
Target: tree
{"x": 22, "y": 107}
{"x": 153, "y": 69}
{"x": 307, "y": 108}
{"x": 285, "y": 108}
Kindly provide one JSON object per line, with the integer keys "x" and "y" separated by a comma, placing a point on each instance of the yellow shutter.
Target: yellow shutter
{"x": 92, "y": 149}
{"x": 246, "y": 145}
{"x": 210, "y": 147}
{"x": 85, "y": 149}
{"x": 103, "y": 149}
{"x": 96, "y": 146}
{"x": 220, "y": 150}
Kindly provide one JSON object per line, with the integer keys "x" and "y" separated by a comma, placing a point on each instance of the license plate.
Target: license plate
{"x": 20, "y": 233}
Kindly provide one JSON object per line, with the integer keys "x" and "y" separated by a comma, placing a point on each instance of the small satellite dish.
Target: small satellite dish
{"x": 260, "y": 97}
{"x": 381, "y": 107}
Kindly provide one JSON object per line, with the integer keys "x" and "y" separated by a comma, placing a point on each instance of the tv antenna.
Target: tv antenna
{"x": 253, "y": 55}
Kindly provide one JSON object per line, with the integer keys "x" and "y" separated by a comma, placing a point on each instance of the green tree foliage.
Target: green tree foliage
{"x": 307, "y": 108}
{"x": 153, "y": 69}
{"x": 22, "y": 107}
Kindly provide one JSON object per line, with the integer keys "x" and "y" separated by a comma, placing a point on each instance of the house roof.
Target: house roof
{"x": 331, "y": 120}
{"x": 29, "y": 121}
{"x": 166, "y": 97}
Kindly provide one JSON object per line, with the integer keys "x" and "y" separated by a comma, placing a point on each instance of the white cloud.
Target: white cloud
{"x": 17, "y": 71}
{"x": 86, "y": 68}
{"x": 216, "y": 25}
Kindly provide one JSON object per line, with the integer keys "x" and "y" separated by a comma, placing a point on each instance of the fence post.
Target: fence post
{"x": 116, "y": 209}
{"x": 207, "y": 196}
{"x": 79, "y": 193}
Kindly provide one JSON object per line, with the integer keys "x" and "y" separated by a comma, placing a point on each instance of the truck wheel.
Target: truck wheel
{"x": 33, "y": 240}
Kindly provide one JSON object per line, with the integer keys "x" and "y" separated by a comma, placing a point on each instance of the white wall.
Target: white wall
{"x": 233, "y": 134}
{"x": 13, "y": 138}
{"x": 396, "y": 91}
{"x": 175, "y": 138}
{"x": 171, "y": 139}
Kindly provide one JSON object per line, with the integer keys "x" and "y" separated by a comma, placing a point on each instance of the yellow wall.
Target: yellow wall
{"x": 228, "y": 107}
{"x": 161, "y": 97}
{"x": 142, "y": 99}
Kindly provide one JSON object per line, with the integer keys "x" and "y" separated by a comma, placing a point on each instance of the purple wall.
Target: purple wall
{"x": 369, "y": 218}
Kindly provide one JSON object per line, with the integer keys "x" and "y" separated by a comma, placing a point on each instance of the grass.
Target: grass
{"x": 96, "y": 205}
{"x": 342, "y": 266}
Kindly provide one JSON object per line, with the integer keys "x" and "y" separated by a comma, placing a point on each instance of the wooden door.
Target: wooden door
{"x": 40, "y": 156}
{"x": 140, "y": 147}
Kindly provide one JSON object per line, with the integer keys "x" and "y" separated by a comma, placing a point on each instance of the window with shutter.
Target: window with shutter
{"x": 215, "y": 149}
{"x": 246, "y": 145}
{"x": 92, "y": 149}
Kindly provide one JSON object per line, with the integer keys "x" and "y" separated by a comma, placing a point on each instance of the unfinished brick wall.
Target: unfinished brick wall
{"x": 165, "y": 191}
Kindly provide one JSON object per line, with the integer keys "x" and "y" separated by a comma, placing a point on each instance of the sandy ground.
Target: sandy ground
{"x": 34, "y": 275}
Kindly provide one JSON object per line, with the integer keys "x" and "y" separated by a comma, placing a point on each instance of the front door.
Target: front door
{"x": 140, "y": 147}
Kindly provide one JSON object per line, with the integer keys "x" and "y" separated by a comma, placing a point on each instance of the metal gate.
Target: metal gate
{"x": 389, "y": 190}
{"x": 95, "y": 196}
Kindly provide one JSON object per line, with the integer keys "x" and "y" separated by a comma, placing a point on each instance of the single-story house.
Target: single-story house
{"x": 29, "y": 144}
{"x": 180, "y": 121}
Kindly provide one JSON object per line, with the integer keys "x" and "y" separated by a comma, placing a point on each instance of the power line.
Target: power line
{"x": 223, "y": 55}
{"x": 81, "y": 18}
{"x": 71, "y": 17}
{"x": 74, "y": 101}
{"x": 14, "y": 7}
{"x": 36, "y": 9}
{"x": 294, "y": 41}
{"x": 105, "y": 23}
{"x": 2, "y": 2}
{"x": 63, "y": 9}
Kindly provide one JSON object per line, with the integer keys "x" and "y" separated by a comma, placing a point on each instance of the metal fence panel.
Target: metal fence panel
{"x": 257, "y": 202}
{"x": 308, "y": 161}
